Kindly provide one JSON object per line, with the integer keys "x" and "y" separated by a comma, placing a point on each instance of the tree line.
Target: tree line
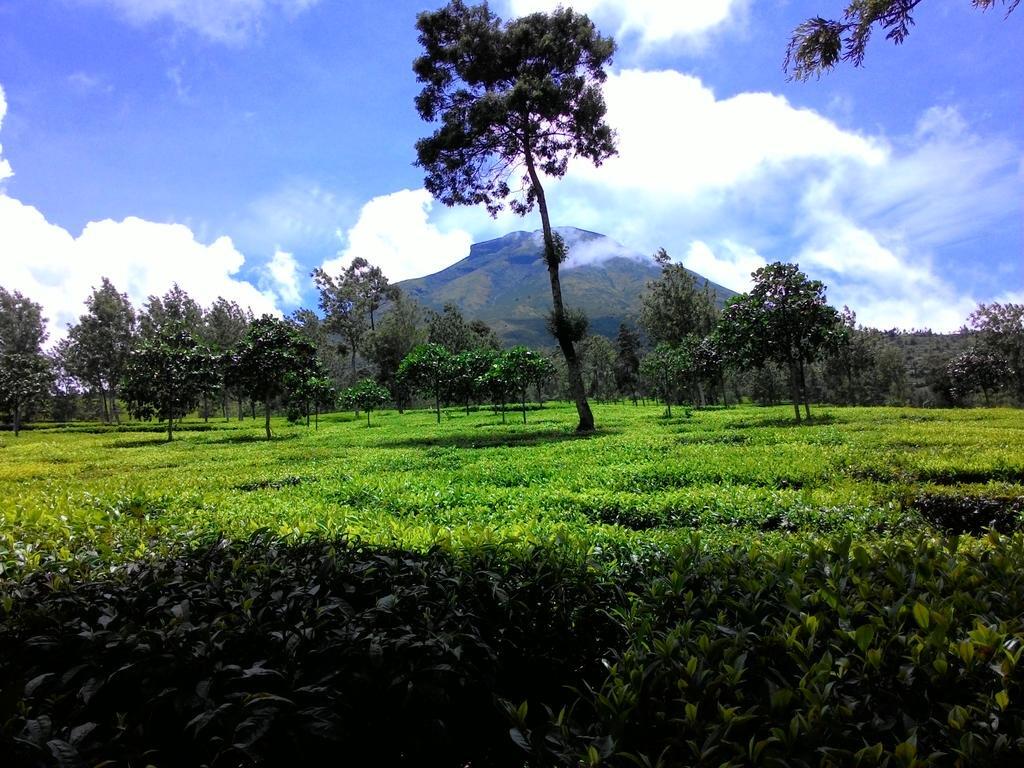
{"x": 371, "y": 346}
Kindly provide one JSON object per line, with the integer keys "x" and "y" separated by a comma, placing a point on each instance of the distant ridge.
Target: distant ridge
{"x": 504, "y": 283}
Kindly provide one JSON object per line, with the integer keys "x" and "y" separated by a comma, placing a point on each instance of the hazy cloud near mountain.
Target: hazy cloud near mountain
{"x": 394, "y": 232}
{"x": 728, "y": 184}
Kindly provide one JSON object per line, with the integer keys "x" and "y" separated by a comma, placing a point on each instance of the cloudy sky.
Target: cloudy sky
{"x": 234, "y": 145}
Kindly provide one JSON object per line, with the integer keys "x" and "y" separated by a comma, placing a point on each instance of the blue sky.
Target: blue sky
{"x": 234, "y": 145}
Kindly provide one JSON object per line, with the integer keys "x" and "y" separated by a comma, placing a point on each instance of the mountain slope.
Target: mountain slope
{"x": 504, "y": 283}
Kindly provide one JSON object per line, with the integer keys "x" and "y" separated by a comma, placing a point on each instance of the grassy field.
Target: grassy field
{"x": 721, "y": 588}
{"x": 84, "y": 496}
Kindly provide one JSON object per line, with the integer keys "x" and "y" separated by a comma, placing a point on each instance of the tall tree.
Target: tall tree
{"x": 371, "y": 286}
{"x": 627, "y": 361}
{"x": 450, "y": 329}
{"x": 674, "y": 306}
{"x": 175, "y": 308}
{"x": 399, "y": 332}
{"x": 818, "y": 44}
{"x": 224, "y": 326}
{"x": 343, "y": 304}
{"x": 100, "y": 343}
{"x": 784, "y": 319}
{"x": 515, "y": 100}
{"x": 24, "y": 370}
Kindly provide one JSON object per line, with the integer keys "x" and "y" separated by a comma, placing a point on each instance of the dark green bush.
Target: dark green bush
{"x": 267, "y": 653}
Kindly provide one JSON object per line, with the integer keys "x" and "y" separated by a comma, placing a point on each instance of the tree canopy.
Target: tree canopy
{"x": 818, "y": 44}
{"x": 24, "y": 369}
{"x": 784, "y": 319}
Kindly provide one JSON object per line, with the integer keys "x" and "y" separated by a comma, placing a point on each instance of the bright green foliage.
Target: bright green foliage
{"x": 367, "y": 395}
{"x": 25, "y": 374}
{"x": 784, "y": 319}
{"x": 100, "y": 343}
{"x": 165, "y": 375}
{"x": 512, "y": 373}
{"x": 819, "y": 44}
{"x": 427, "y": 369}
{"x": 270, "y": 357}
{"x": 466, "y": 369}
{"x": 515, "y": 100}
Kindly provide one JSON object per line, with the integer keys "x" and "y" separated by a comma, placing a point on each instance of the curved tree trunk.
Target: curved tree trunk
{"x": 572, "y": 362}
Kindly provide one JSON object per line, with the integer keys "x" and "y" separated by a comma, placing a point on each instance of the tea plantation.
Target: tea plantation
{"x": 720, "y": 588}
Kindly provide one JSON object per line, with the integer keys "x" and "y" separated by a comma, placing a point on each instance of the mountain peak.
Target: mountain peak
{"x": 504, "y": 283}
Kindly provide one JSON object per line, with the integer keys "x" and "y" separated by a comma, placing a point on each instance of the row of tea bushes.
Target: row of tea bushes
{"x": 265, "y": 652}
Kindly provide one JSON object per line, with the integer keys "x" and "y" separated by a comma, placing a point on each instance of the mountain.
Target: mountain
{"x": 504, "y": 283}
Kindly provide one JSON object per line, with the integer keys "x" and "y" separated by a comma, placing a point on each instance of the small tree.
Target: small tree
{"x": 977, "y": 369}
{"x": 519, "y": 368}
{"x": 664, "y": 368}
{"x": 25, "y": 375}
{"x": 627, "y": 361}
{"x": 466, "y": 369}
{"x": 1002, "y": 333}
{"x": 427, "y": 369}
{"x": 271, "y": 355}
{"x": 784, "y": 319}
{"x": 163, "y": 377}
{"x": 365, "y": 396}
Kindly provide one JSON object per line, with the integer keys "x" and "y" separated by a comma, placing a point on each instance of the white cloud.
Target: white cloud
{"x": 730, "y": 267}
{"x": 393, "y": 233}
{"x": 676, "y": 137}
{"x": 51, "y": 266}
{"x": 731, "y": 183}
{"x": 655, "y": 21}
{"x": 142, "y": 258}
{"x": 223, "y": 21}
{"x": 283, "y": 273}
{"x": 5, "y": 167}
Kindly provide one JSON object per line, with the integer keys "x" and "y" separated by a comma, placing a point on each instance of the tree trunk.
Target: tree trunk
{"x": 572, "y": 362}
{"x": 17, "y": 419}
{"x": 524, "y": 406}
{"x": 367, "y": 418}
{"x": 437, "y": 405}
{"x": 266, "y": 414}
{"x": 803, "y": 391}
{"x": 170, "y": 428}
{"x": 794, "y": 388}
